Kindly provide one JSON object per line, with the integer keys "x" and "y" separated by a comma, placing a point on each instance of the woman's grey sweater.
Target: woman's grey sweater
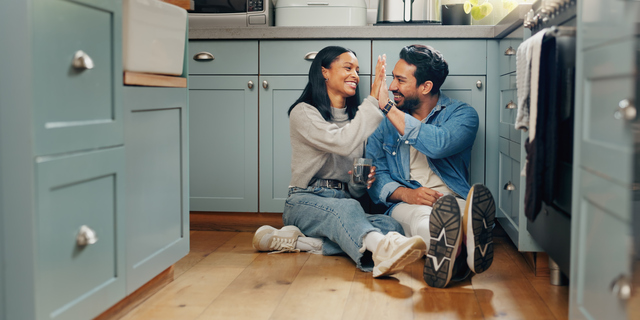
{"x": 325, "y": 149}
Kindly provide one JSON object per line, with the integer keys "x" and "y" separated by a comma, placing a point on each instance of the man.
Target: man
{"x": 422, "y": 152}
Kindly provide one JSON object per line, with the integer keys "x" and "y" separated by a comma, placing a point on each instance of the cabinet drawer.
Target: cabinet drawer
{"x": 291, "y": 56}
{"x": 508, "y": 49}
{"x": 76, "y": 105}
{"x": 465, "y": 57}
{"x": 228, "y": 57}
{"x": 80, "y": 281}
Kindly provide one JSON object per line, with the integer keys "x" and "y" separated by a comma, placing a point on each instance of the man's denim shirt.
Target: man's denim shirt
{"x": 445, "y": 138}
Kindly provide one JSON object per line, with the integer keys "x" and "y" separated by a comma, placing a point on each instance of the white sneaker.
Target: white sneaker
{"x": 395, "y": 252}
{"x": 268, "y": 238}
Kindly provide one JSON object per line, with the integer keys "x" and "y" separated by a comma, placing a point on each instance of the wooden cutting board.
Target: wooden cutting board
{"x": 184, "y": 4}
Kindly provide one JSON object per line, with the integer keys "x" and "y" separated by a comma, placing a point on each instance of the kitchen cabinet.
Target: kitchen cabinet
{"x": 223, "y": 130}
{"x": 62, "y": 159}
{"x": 606, "y": 172}
{"x": 157, "y": 219}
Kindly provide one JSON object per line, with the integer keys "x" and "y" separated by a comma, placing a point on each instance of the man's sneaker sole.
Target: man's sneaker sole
{"x": 479, "y": 220}
{"x": 395, "y": 264}
{"x": 445, "y": 232}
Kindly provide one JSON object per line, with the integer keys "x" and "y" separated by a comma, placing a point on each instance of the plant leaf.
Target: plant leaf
{"x": 473, "y": 2}
{"x": 476, "y": 13}
{"x": 467, "y": 7}
{"x": 486, "y": 8}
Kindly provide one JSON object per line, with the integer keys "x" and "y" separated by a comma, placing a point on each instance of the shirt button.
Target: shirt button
{"x": 394, "y": 153}
{"x": 406, "y": 142}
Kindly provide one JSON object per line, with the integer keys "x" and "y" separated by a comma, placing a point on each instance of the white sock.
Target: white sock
{"x": 313, "y": 245}
{"x": 371, "y": 240}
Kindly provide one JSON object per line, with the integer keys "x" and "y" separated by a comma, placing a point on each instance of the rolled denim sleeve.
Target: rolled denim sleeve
{"x": 448, "y": 138}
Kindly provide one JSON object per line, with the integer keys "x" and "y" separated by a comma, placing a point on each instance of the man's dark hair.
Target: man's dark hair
{"x": 430, "y": 65}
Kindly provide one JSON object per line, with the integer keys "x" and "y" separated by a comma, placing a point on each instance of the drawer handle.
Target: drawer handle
{"x": 509, "y": 186}
{"x": 82, "y": 61}
{"x": 626, "y": 110}
{"x": 203, "y": 56}
{"x": 86, "y": 236}
{"x": 510, "y": 105}
{"x": 311, "y": 55}
{"x": 510, "y": 51}
{"x": 621, "y": 287}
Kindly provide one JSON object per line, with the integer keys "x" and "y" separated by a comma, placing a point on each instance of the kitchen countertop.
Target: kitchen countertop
{"x": 509, "y": 23}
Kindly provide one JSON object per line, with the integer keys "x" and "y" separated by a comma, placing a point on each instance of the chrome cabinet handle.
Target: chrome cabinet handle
{"x": 509, "y": 186}
{"x": 621, "y": 287}
{"x": 86, "y": 236}
{"x": 510, "y": 51}
{"x": 626, "y": 110}
{"x": 511, "y": 105}
{"x": 310, "y": 55}
{"x": 265, "y": 84}
{"x": 250, "y": 84}
{"x": 408, "y": 6}
{"x": 203, "y": 56}
{"x": 82, "y": 61}
{"x": 479, "y": 84}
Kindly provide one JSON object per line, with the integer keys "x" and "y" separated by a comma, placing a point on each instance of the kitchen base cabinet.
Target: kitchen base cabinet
{"x": 223, "y": 130}
{"x": 156, "y": 139}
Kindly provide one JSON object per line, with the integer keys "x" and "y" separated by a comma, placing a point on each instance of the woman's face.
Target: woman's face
{"x": 342, "y": 76}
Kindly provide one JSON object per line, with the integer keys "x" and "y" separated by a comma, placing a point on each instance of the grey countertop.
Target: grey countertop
{"x": 509, "y": 23}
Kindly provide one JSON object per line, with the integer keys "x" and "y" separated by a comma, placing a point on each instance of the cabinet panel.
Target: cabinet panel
{"x": 275, "y": 144}
{"x": 456, "y": 52}
{"x": 157, "y": 193}
{"x": 229, "y": 57}
{"x": 508, "y": 103}
{"x": 76, "y": 107}
{"x": 505, "y": 196}
{"x": 77, "y": 281}
{"x": 604, "y": 21}
{"x": 223, "y": 131}
{"x": 288, "y": 56}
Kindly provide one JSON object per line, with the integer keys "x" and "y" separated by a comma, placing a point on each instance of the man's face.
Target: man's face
{"x": 404, "y": 88}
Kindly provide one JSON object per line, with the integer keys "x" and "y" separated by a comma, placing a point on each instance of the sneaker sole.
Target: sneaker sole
{"x": 266, "y": 229}
{"x": 479, "y": 229}
{"x": 395, "y": 264}
{"x": 445, "y": 232}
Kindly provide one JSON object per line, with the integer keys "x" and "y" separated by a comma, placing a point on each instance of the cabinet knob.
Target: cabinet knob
{"x": 511, "y": 105}
{"x": 621, "y": 287}
{"x": 265, "y": 84}
{"x": 509, "y": 186}
{"x": 82, "y": 61}
{"x": 510, "y": 51}
{"x": 86, "y": 236}
{"x": 311, "y": 55}
{"x": 203, "y": 56}
{"x": 626, "y": 110}
{"x": 250, "y": 84}
{"x": 479, "y": 84}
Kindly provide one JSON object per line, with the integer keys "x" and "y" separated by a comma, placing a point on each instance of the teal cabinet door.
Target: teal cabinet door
{"x": 275, "y": 145}
{"x": 76, "y": 281}
{"x": 603, "y": 21}
{"x": 223, "y": 131}
{"x": 606, "y": 179}
{"x": 156, "y": 140}
{"x": 77, "y": 75}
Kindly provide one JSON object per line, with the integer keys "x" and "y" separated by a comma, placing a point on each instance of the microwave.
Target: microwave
{"x": 230, "y": 13}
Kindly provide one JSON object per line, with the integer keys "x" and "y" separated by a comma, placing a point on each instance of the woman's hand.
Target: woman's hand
{"x": 383, "y": 94}
{"x": 380, "y": 76}
{"x": 372, "y": 177}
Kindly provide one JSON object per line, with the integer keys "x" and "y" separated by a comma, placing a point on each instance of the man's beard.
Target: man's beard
{"x": 409, "y": 105}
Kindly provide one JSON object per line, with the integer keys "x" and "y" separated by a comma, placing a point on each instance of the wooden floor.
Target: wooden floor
{"x": 224, "y": 278}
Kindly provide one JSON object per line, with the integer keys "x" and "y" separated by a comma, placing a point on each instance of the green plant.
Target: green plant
{"x": 480, "y": 11}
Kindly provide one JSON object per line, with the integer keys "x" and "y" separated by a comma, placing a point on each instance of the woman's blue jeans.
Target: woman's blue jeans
{"x": 334, "y": 216}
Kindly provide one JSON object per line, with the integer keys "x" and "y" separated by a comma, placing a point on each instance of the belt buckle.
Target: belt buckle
{"x": 336, "y": 184}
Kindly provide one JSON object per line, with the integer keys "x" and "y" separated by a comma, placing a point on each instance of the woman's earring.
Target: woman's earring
{"x": 326, "y": 79}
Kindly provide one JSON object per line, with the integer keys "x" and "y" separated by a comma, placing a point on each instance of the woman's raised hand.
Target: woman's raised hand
{"x": 380, "y": 76}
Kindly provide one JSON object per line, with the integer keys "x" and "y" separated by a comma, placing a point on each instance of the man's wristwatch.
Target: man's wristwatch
{"x": 390, "y": 104}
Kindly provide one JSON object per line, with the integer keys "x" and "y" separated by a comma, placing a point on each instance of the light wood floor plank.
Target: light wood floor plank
{"x": 504, "y": 292}
{"x": 202, "y": 244}
{"x": 188, "y": 296}
{"x": 256, "y": 292}
{"x": 319, "y": 291}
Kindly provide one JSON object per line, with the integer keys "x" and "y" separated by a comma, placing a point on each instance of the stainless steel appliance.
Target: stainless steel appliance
{"x": 409, "y": 11}
{"x": 231, "y": 13}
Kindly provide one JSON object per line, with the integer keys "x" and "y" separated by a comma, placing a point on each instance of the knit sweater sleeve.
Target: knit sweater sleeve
{"x": 313, "y": 130}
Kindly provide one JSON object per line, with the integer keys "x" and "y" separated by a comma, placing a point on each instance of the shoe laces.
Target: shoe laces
{"x": 391, "y": 238}
{"x": 282, "y": 245}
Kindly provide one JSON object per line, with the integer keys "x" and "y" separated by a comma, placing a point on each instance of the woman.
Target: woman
{"x": 328, "y": 131}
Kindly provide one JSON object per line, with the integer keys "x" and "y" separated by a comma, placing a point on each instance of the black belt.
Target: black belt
{"x": 329, "y": 183}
